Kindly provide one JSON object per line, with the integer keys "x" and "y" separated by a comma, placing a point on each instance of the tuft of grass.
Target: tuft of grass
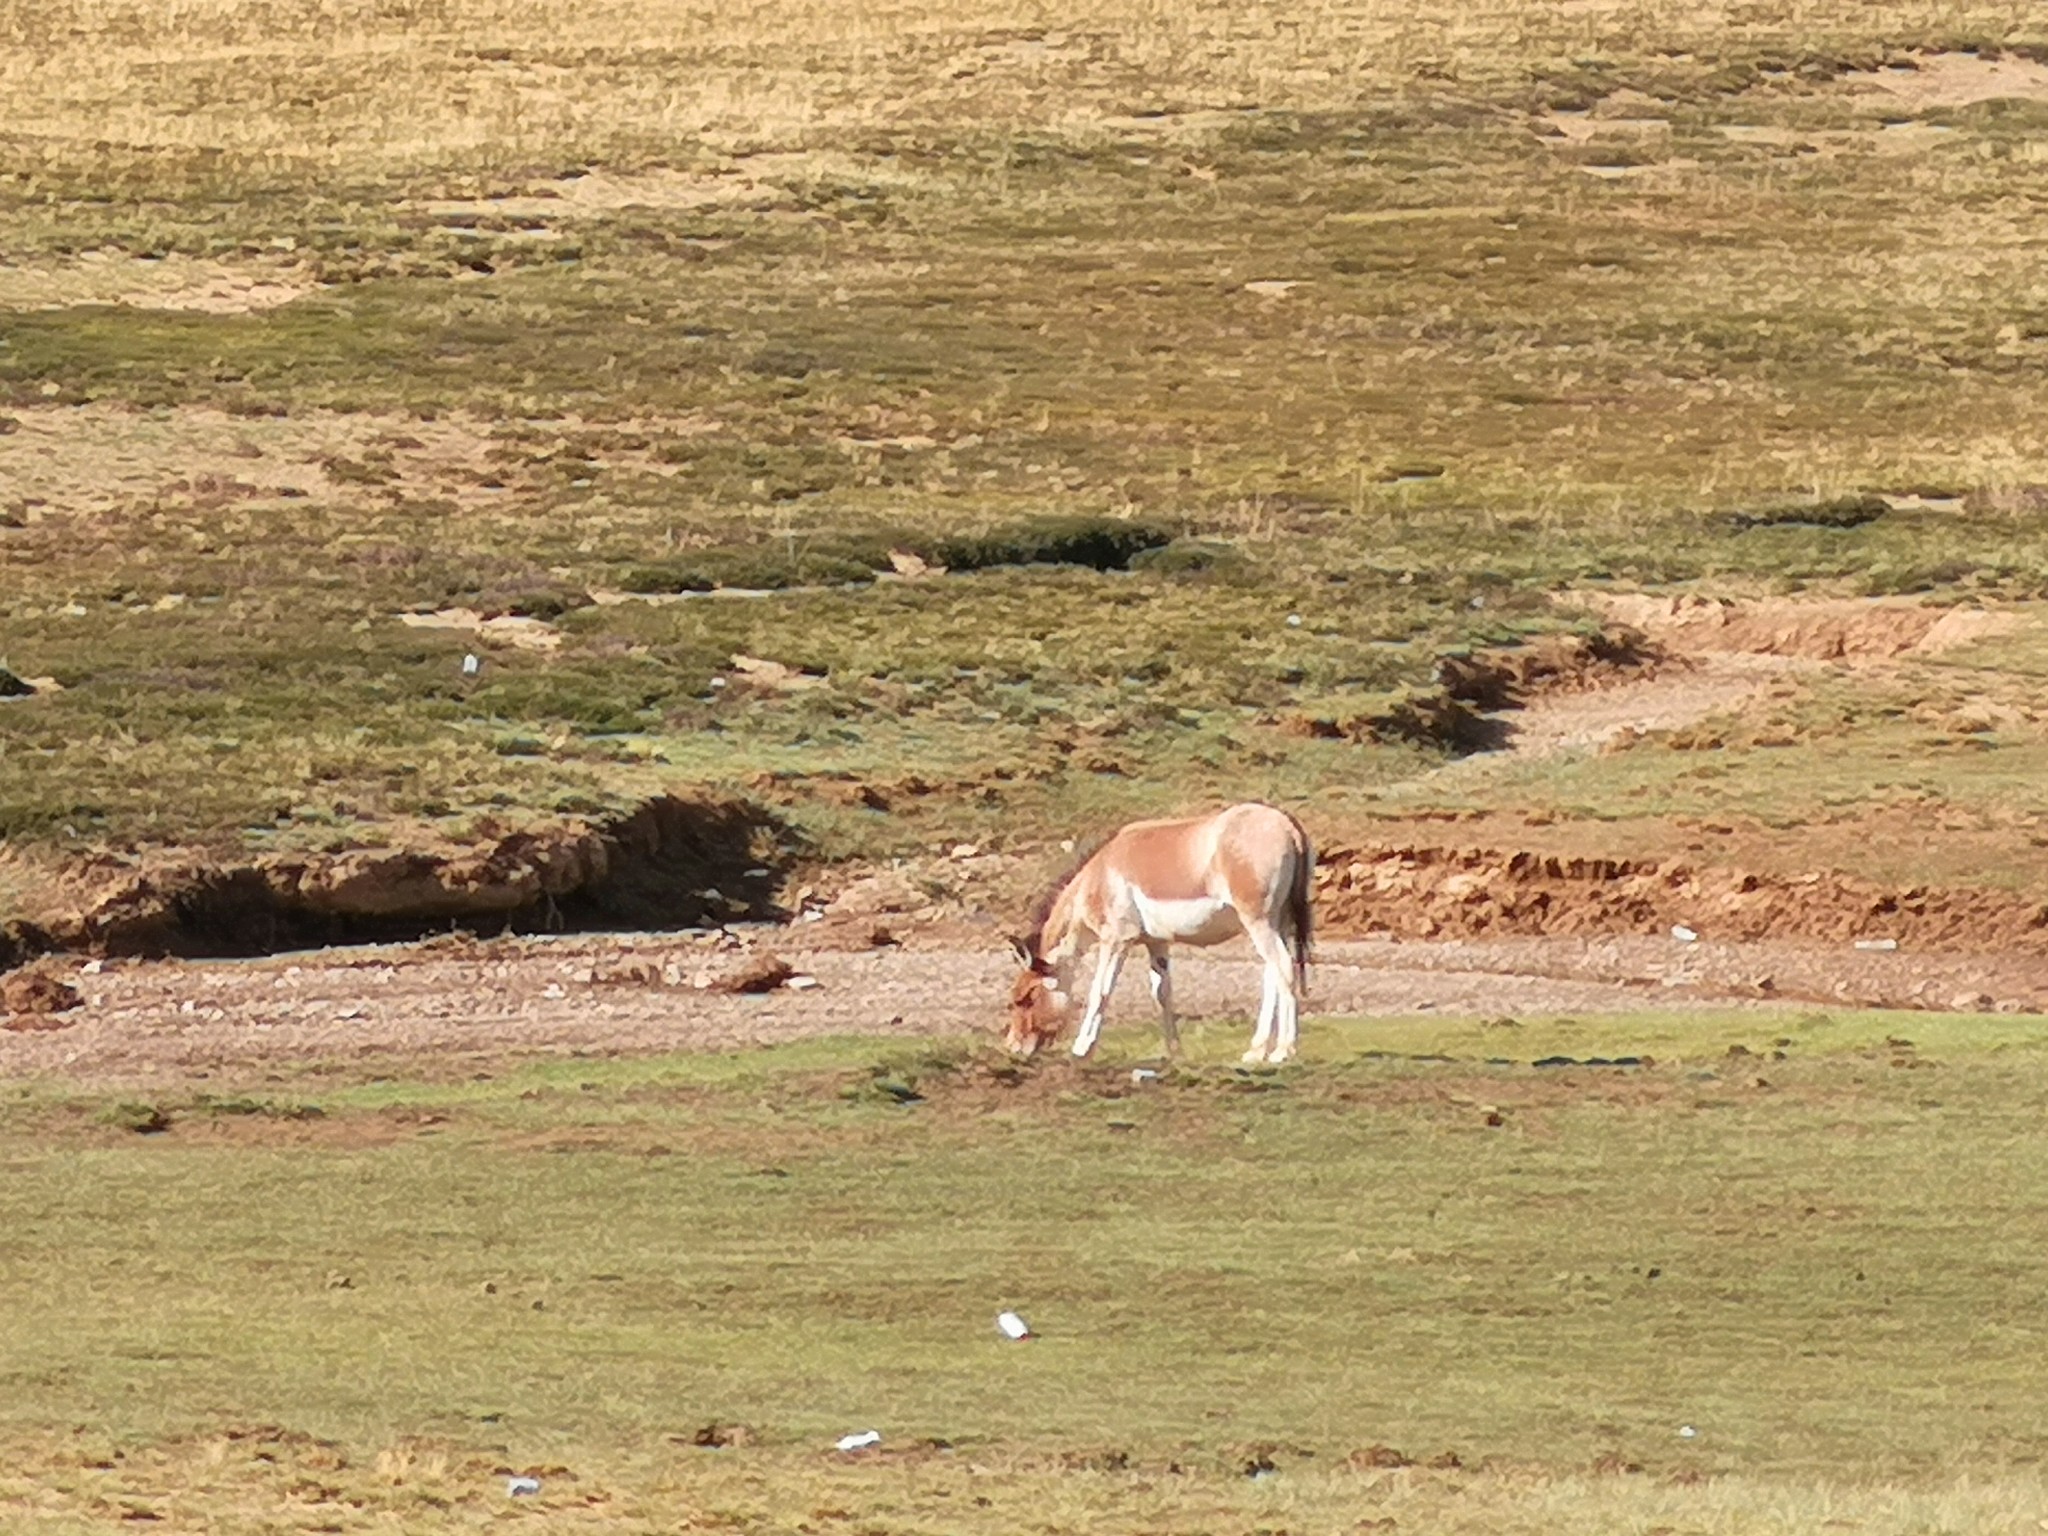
{"x": 1837, "y": 512}
{"x": 140, "y": 1118}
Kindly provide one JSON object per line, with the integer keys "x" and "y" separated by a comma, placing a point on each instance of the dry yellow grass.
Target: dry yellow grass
{"x": 412, "y": 87}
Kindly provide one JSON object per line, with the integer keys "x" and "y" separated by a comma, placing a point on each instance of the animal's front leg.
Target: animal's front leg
{"x": 1109, "y": 961}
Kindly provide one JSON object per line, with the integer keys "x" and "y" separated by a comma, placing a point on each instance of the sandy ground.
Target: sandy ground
{"x": 177, "y": 1020}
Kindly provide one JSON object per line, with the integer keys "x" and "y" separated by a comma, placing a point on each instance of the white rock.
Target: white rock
{"x": 1683, "y": 934}
{"x": 861, "y": 1441}
{"x": 1013, "y": 1326}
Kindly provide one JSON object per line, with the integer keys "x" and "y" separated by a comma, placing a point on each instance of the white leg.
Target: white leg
{"x": 1269, "y": 1007}
{"x": 1279, "y": 1008}
{"x": 1109, "y": 961}
{"x": 1162, "y": 994}
{"x": 1289, "y": 1031}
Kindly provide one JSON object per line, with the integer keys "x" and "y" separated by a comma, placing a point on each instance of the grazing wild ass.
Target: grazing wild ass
{"x": 1158, "y": 883}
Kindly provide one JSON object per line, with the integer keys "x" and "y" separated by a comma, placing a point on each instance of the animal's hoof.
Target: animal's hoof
{"x": 1253, "y": 1058}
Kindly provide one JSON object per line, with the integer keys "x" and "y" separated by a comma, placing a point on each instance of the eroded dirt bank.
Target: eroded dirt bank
{"x": 1442, "y": 890}
{"x": 670, "y": 863}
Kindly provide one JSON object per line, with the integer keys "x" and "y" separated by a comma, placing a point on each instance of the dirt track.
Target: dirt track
{"x": 596, "y": 994}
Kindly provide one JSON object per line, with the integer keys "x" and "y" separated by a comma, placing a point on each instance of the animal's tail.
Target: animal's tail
{"x": 1300, "y": 918}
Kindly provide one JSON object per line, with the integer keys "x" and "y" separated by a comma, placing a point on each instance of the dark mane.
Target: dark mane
{"x": 1041, "y": 909}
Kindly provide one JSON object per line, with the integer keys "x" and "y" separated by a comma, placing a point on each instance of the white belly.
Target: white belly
{"x": 1203, "y": 920}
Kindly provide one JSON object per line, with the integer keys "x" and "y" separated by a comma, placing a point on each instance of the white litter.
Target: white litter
{"x": 1144, "y": 1075}
{"x": 521, "y": 1487}
{"x": 1294, "y": 621}
{"x": 1687, "y": 1432}
{"x": 802, "y": 983}
{"x": 470, "y": 665}
{"x": 1013, "y": 1326}
{"x": 1877, "y": 943}
{"x": 861, "y": 1441}
{"x": 1683, "y": 934}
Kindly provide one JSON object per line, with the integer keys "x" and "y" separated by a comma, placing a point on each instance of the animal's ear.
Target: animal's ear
{"x": 1023, "y": 953}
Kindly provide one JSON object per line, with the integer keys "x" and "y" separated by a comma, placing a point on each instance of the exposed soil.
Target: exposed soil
{"x": 516, "y": 630}
{"x": 670, "y": 863}
{"x": 1931, "y": 81}
{"x": 176, "y": 1019}
{"x": 84, "y": 461}
{"x": 1432, "y": 890}
{"x": 153, "y": 282}
{"x": 1808, "y": 629}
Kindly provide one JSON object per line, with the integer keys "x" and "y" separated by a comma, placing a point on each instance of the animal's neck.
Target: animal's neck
{"x": 1060, "y": 940}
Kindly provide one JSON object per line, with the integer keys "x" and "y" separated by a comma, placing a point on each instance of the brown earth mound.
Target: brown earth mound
{"x": 1471, "y": 686}
{"x": 1507, "y": 677}
{"x": 1813, "y": 629}
{"x": 1414, "y": 891}
{"x": 670, "y": 863}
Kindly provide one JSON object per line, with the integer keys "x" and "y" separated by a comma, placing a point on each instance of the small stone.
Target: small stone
{"x": 764, "y": 973}
{"x": 31, "y": 996}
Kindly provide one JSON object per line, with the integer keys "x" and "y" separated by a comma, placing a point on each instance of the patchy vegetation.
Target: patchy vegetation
{"x": 1395, "y": 326}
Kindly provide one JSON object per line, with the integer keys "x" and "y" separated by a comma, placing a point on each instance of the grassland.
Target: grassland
{"x": 324, "y": 1302}
{"x": 314, "y": 314}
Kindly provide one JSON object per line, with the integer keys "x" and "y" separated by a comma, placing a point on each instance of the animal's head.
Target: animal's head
{"x": 1040, "y": 1003}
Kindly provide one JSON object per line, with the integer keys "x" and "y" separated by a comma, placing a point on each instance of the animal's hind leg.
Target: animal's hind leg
{"x": 1289, "y": 1030}
{"x": 1269, "y": 1003}
{"x": 1109, "y": 961}
{"x": 1162, "y": 994}
{"x": 1279, "y": 1009}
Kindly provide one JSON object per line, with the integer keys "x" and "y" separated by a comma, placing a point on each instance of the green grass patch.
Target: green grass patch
{"x": 1811, "y": 1249}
